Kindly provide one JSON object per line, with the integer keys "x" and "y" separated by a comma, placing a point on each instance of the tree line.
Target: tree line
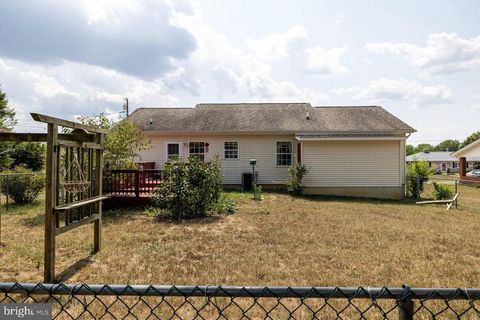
{"x": 450, "y": 145}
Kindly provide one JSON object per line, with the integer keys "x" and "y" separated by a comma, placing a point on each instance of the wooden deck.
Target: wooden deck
{"x": 131, "y": 183}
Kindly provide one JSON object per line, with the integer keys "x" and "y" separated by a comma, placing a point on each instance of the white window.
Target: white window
{"x": 284, "y": 153}
{"x": 197, "y": 149}
{"x": 230, "y": 150}
{"x": 173, "y": 151}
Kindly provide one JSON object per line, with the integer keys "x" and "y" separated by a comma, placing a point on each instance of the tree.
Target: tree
{"x": 7, "y": 122}
{"x": 409, "y": 149}
{"x": 423, "y": 147}
{"x": 100, "y": 121}
{"x": 123, "y": 141}
{"x": 448, "y": 145}
{"x": 471, "y": 138}
{"x": 28, "y": 154}
{"x": 7, "y": 113}
{"x": 417, "y": 174}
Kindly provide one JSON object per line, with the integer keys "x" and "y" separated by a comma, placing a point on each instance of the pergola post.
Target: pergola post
{"x": 50, "y": 203}
{"x": 97, "y": 225}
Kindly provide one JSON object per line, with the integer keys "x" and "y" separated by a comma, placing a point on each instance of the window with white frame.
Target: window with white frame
{"x": 284, "y": 153}
{"x": 230, "y": 150}
{"x": 197, "y": 149}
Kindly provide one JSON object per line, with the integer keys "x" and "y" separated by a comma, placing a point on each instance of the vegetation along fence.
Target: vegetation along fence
{"x": 82, "y": 301}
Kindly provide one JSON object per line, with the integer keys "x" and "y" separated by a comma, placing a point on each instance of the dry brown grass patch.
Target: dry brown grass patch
{"x": 278, "y": 241}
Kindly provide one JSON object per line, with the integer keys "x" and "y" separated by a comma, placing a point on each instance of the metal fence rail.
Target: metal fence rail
{"x": 83, "y": 301}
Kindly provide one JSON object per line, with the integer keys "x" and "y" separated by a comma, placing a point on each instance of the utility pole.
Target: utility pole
{"x": 125, "y": 106}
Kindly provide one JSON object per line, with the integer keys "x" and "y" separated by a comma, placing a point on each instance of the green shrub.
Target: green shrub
{"x": 24, "y": 187}
{"x": 442, "y": 191}
{"x": 257, "y": 191}
{"x": 189, "y": 190}
{"x": 296, "y": 172}
{"x": 224, "y": 205}
{"x": 417, "y": 175}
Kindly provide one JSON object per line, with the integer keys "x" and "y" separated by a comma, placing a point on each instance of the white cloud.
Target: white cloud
{"x": 443, "y": 53}
{"x": 400, "y": 89}
{"x": 220, "y": 67}
{"x": 277, "y": 46}
{"x": 339, "y": 20}
{"x": 70, "y": 89}
{"x": 133, "y": 37}
{"x": 475, "y": 102}
{"x": 325, "y": 61}
{"x": 293, "y": 45}
{"x": 216, "y": 68}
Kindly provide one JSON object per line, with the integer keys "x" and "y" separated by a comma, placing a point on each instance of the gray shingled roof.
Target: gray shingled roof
{"x": 434, "y": 156}
{"x": 265, "y": 117}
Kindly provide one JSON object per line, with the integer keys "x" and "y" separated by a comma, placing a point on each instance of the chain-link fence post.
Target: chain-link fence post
{"x": 1, "y": 209}
{"x": 405, "y": 305}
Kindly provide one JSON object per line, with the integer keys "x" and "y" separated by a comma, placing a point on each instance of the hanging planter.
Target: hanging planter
{"x": 77, "y": 186}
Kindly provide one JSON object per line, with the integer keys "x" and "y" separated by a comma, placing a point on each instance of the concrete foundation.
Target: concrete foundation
{"x": 363, "y": 192}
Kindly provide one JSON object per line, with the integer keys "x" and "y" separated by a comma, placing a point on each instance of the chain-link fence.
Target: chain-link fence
{"x": 82, "y": 301}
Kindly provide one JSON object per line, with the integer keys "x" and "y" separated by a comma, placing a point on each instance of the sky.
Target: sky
{"x": 420, "y": 60}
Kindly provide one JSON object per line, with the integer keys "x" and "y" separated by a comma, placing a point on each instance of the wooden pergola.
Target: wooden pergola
{"x": 74, "y": 177}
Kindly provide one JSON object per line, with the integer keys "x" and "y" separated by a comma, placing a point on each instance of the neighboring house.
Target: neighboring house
{"x": 440, "y": 161}
{"x": 466, "y": 154}
{"x": 350, "y": 151}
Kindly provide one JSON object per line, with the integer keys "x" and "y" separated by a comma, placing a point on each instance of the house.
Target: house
{"x": 440, "y": 161}
{"x": 468, "y": 153}
{"x": 350, "y": 150}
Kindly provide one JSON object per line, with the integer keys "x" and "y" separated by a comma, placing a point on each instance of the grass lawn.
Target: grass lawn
{"x": 278, "y": 241}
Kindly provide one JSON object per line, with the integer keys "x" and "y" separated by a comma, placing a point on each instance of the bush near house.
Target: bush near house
{"x": 296, "y": 172}
{"x": 191, "y": 190}
{"x": 257, "y": 192}
{"x": 24, "y": 187}
{"x": 417, "y": 175}
{"x": 442, "y": 191}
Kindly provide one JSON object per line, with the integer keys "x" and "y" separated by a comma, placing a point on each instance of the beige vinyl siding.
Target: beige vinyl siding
{"x": 352, "y": 163}
{"x": 260, "y": 147}
{"x": 403, "y": 164}
{"x": 472, "y": 152}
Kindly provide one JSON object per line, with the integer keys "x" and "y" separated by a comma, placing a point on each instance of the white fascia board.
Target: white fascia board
{"x": 303, "y": 138}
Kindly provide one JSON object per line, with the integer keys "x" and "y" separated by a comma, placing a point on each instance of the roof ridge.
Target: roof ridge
{"x": 346, "y": 106}
{"x": 163, "y": 108}
{"x": 252, "y": 103}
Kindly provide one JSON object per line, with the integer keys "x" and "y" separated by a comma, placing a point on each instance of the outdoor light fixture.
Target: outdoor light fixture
{"x": 253, "y": 162}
